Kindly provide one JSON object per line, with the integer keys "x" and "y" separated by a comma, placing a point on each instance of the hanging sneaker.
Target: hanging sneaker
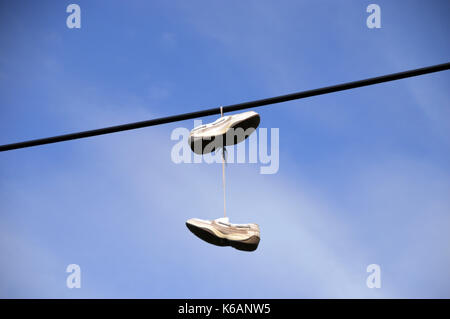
{"x": 226, "y": 130}
{"x": 220, "y": 232}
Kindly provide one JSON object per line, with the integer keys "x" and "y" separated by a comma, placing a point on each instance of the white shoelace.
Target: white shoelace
{"x": 223, "y": 173}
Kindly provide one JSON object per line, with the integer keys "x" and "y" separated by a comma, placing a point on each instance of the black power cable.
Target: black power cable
{"x": 229, "y": 108}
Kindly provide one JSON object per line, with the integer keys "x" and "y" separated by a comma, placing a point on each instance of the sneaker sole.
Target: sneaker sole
{"x": 252, "y": 122}
{"x": 207, "y": 235}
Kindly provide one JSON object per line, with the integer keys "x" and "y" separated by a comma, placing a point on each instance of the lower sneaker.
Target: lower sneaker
{"x": 221, "y": 232}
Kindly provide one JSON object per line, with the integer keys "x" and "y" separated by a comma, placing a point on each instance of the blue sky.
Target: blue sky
{"x": 363, "y": 176}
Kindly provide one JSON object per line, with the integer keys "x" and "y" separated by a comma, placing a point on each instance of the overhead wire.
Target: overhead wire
{"x": 229, "y": 108}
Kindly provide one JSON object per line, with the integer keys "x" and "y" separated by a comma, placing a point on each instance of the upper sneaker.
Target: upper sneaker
{"x": 226, "y": 130}
{"x": 221, "y": 232}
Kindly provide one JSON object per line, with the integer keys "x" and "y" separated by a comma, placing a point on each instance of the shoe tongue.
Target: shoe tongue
{"x": 224, "y": 220}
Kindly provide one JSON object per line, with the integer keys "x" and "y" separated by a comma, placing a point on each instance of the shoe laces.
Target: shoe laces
{"x": 224, "y": 154}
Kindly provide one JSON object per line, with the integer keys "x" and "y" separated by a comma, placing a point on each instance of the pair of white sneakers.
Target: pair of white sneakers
{"x": 227, "y": 130}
